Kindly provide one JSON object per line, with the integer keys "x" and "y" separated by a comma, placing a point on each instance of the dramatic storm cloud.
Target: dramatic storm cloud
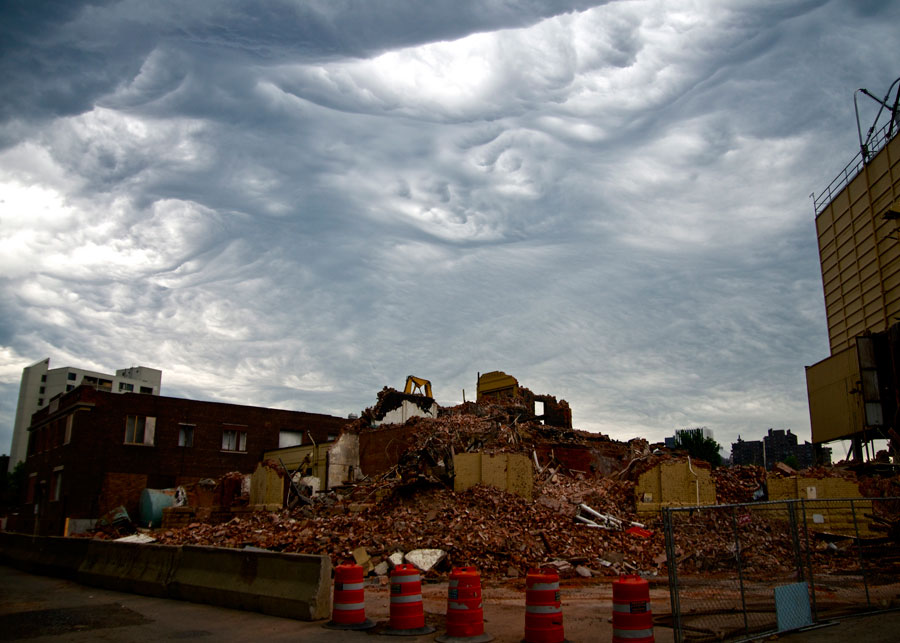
{"x": 294, "y": 204}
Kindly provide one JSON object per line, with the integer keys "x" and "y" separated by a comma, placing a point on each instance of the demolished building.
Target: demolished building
{"x": 482, "y": 486}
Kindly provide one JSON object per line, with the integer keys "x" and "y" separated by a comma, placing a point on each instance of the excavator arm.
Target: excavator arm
{"x": 417, "y": 385}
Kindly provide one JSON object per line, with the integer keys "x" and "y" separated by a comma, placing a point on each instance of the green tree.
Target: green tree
{"x": 12, "y": 486}
{"x": 699, "y": 446}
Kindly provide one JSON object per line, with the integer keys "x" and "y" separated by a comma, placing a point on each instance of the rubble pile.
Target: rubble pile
{"x": 738, "y": 484}
{"x": 499, "y": 532}
{"x": 581, "y": 521}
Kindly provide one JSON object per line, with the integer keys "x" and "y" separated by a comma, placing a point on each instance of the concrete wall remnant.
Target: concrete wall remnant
{"x": 824, "y": 513}
{"x": 343, "y": 460}
{"x": 510, "y": 472}
{"x": 267, "y": 484}
{"x": 408, "y": 409}
{"x": 674, "y": 483}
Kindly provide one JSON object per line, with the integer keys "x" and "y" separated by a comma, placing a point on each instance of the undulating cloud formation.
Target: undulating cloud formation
{"x": 295, "y": 203}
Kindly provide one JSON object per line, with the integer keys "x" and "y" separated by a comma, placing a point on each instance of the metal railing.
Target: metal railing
{"x": 877, "y": 141}
{"x": 743, "y": 571}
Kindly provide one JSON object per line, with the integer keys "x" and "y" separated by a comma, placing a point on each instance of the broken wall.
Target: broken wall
{"x": 407, "y": 410}
{"x": 311, "y": 459}
{"x": 510, "y": 472}
{"x": 601, "y": 458}
{"x": 267, "y": 486}
{"x": 380, "y": 448}
{"x": 343, "y": 460}
{"x": 826, "y": 517}
{"x": 555, "y": 413}
{"x": 672, "y": 484}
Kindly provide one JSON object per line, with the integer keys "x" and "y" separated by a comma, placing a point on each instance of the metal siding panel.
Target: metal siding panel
{"x": 834, "y": 411}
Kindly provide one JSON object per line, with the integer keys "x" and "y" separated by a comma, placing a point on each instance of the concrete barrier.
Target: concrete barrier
{"x": 290, "y": 585}
{"x": 40, "y": 555}
{"x": 129, "y": 567}
{"x": 294, "y": 586}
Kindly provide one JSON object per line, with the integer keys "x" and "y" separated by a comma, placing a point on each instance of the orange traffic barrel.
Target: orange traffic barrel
{"x": 543, "y": 608}
{"x": 407, "y": 612}
{"x": 465, "y": 616}
{"x": 632, "y": 618}
{"x": 348, "y": 609}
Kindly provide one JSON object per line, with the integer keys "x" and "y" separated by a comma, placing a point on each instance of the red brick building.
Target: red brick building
{"x": 90, "y": 451}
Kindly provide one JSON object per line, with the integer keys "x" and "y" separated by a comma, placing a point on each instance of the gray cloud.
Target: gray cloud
{"x": 296, "y": 204}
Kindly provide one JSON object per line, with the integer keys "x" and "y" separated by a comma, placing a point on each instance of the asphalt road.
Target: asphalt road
{"x": 41, "y": 608}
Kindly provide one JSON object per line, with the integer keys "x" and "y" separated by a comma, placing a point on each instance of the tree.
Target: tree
{"x": 699, "y": 446}
{"x": 12, "y": 486}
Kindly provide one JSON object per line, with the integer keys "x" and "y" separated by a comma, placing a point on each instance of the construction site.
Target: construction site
{"x": 496, "y": 486}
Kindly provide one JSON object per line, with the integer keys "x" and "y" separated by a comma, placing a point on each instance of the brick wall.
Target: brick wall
{"x": 100, "y": 471}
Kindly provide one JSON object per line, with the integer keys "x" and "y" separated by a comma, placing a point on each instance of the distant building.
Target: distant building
{"x": 779, "y": 445}
{"x": 776, "y": 447}
{"x": 90, "y": 451}
{"x": 748, "y": 452}
{"x": 40, "y": 384}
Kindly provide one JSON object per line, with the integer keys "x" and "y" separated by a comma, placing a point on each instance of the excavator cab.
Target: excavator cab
{"x": 418, "y": 386}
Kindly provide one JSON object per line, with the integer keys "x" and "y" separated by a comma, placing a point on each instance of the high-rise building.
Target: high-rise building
{"x": 40, "y": 384}
{"x": 748, "y": 452}
{"x": 779, "y": 445}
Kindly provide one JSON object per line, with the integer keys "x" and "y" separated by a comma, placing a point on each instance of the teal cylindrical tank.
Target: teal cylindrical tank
{"x": 153, "y": 501}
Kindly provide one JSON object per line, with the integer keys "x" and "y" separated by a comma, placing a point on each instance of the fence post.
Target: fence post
{"x": 795, "y": 537}
{"x": 740, "y": 567}
{"x": 672, "y": 564}
{"x": 862, "y": 567}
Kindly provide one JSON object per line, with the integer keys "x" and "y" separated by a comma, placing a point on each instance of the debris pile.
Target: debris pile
{"x": 580, "y": 516}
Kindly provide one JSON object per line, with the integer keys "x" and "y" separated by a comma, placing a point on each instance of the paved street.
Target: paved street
{"x": 40, "y": 608}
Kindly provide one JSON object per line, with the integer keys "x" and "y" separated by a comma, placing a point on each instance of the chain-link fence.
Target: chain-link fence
{"x": 741, "y": 571}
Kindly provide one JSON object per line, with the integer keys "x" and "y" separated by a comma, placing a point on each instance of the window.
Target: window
{"x": 139, "y": 429}
{"x": 105, "y": 385}
{"x": 42, "y": 390}
{"x": 289, "y": 438}
{"x": 125, "y": 386}
{"x": 56, "y": 484}
{"x": 147, "y": 390}
{"x": 70, "y": 419}
{"x": 69, "y": 387}
{"x": 234, "y": 440}
{"x": 185, "y": 435}
{"x": 70, "y": 377}
{"x": 43, "y": 378}
{"x": 40, "y": 401}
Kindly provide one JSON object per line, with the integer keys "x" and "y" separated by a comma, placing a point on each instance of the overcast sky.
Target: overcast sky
{"x": 293, "y": 204}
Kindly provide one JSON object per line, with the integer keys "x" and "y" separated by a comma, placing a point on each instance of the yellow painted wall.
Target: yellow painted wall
{"x": 266, "y": 487}
{"x": 835, "y": 406}
{"x": 508, "y": 471}
{"x": 859, "y": 252}
{"x": 827, "y": 517}
{"x": 293, "y": 456}
{"x": 671, "y": 484}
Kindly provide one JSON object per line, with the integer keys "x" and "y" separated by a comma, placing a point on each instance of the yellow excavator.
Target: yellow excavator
{"x": 418, "y": 386}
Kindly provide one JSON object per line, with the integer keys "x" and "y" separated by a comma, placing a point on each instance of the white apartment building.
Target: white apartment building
{"x": 40, "y": 384}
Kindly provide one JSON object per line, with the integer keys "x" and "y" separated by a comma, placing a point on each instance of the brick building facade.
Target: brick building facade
{"x": 90, "y": 451}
